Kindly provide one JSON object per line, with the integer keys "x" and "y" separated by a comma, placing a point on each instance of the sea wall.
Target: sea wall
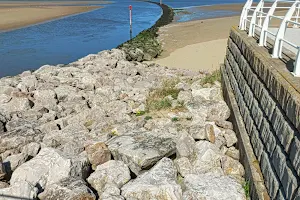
{"x": 267, "y": 99}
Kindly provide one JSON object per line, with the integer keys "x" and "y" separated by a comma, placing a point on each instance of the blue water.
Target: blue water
{"x": 66, "y": 40}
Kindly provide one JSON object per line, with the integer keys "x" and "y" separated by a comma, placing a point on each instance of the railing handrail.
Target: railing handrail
{"x": 261, "y": 20}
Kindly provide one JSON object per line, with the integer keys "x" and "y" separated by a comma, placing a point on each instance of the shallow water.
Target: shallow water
{"x": 66, "y": 40}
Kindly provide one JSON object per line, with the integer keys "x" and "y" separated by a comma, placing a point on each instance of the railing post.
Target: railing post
{"x": 244, "y": 14}
{"x": 265, "y": 26}
{"x": 297, "y": 17}
{"x": 297, "y": 64}
{"x": 281, "y": 31}
{"x": 253, "y": 19}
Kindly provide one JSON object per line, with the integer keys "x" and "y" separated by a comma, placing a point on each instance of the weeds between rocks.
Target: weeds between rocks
{"x": 161, "y": 98}
{"x": 212, "y": 78}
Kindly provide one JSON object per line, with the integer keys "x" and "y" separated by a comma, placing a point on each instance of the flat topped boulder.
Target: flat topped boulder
{"x": 212, "y": 186}
{"x": 140, "y": 150}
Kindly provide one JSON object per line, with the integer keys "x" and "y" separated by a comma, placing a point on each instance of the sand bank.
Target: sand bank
{"x": 12, "y": 14}
{"x": 197, "y": 45}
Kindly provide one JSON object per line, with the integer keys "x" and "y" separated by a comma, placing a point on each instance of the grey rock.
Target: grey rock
{"x": 31, "y": 149}
{"x": 212, "y": 186}
{"x": 224, "y": 124}
{"x": 185, "y": 146}
{"x": 207, "y": 94}
{"x": 16, "y": 105}
{"x": 4, "y": 98}
{"x": 111, "y": 192}
{"x": 183, "y": 166}
{"x": 185, "y": 97}
{"x": 3, "y": 185}
{"x": 22, "y": 190}
{"x": 12, "y": 162}
{"x": 111, "y": 172}
{"x": 230, "y": 138}
{"x": 233, "y": 153}
{"x": 157, "y": 183}
{"x": 231, "y": 166}
{"x": 182, "y": 86}
{"x": 67, "y": 189}
{"x": 218, "y": 111}
{"x": 16, "y": 139}
{"x": 140, "y": 150}
{"x": 206, "y": 159}
{"x": 45, "y": 99}
{"x": 49, "y": 167}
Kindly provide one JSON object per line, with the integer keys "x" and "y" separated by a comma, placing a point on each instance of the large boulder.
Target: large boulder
{"x": 48, "y": 167}
{"x": 212, "y": 186}
{"x": 67, "y": 189}
{"x": 206, "y": 159}
{"x": 21, "y": 190}
{"x": 140, "y": 150}
{"x": 113, "y": 173}
{"x": 156, "y": 184}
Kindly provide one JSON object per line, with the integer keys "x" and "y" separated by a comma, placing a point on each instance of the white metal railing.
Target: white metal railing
{"x": 258, "y": 17}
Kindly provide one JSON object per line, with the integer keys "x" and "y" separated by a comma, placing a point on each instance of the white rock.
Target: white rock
{"x": 111, "y": 172}
{"x": 230, "y": 137}
{"x": 49, "y": 167}
{"x": 158, "y": 183}
{"x": 184, "y": 146}
{"x": 212, "y": 186}
{"x": 21, "y": 190}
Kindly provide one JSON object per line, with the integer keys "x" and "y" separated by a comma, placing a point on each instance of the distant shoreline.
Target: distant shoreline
{"x": 12, "y": 13}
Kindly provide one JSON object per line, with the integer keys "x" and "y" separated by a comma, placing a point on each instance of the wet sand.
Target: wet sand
{"x": 12, "y": 14}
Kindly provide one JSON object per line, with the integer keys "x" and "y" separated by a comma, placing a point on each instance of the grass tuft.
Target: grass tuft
{"x": 213, "y": 77}
{"x": 147, "y": 118}
{"x": 175, "y": 119}
{"x": 246, "y": 187}
{"x": 140, "y": 113}
{"x": 157, "y": 99}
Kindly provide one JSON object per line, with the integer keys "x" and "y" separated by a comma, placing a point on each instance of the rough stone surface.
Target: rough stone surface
{"x": 140, "y": 150}
{"x": 48, "y": 167}
{"x": 98, "y": 154}
{"x": 67, "y": 189}
{"x": 21, "y": 189}
{"x": 158, "y": 183}
{"x": 209, "y": 186}
{"x": 59, "y": 121}
{"x": 230, "y": 138}
{"x": 111, "y": 172}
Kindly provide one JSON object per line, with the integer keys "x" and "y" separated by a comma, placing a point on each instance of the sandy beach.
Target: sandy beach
{"x": 196, "y": 45}
{"x": 12, "y": 13}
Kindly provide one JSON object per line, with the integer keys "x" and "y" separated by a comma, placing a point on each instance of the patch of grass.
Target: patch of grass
{"x": 140, "y": 113}
{"x": 167, "y": 89}
{"x": 159, "y": 104}
{"x": 213, "y": 77}
{"x": 246, "y": 187}
{"x": 157, "y": 99}
{"x": 174, "y": 119}
{"x": 148, "y": 117}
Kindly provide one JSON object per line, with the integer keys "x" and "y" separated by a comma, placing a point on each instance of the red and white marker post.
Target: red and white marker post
{"x": 130, "y": 15}
{"x": 130, "y": 20}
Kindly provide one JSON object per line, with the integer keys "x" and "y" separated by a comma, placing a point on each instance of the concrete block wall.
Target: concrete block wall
{"x": 268, "y": 98}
